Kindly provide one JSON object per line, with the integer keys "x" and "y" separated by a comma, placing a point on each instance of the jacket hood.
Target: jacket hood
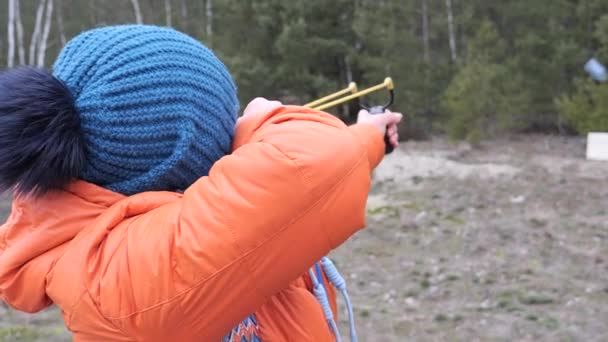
{"x": 36, "y": 234}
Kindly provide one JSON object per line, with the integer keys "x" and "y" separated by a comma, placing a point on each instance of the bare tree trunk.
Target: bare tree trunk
{"x": 168, "y": 12}
{"x": 183, "y": 10}
{"x": 448, "y": 5}
{"x": 209, "y": 21}
{"x": 45, "y": 33}
{"x": 137, "y": 9}
{"x": 36, "y": 34}
{"x": 60, "y": 28}
{"x": 425, "y": 31}
{"x": 19, "y": 27}
{"x": 349, "y": 70}
{"x": 92, "y": 13}
{"x": 10, "y": 58}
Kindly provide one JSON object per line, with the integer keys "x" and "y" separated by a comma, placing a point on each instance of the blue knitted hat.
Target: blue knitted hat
{"x": 157, "y": 108}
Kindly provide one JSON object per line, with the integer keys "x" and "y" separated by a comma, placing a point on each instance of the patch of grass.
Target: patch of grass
{"x": 58, "y": 330}
{"x": 18, "y": 333}
{"x": 513, "y": 308}
{"x": 532, "y": 317}
{"x": 535, "y": 299}
{"x": 504, "y": 303}
{"x": 383, "y": 209}
{"x": 454, "y": 219}
{"x": 458, "y": 209}
{"x": 415, "y": 206}
{"x": 507, "y": 300}
{"x": 452, "y": 277}
{"x": 410, "y": 293}
{"x": 457, "y": 318}
{"x": 509, "y": 294}
{"x": 538, "y": 223}
{"x": 549, "y": 323}
{"x": 489, "y": 281}
{"x": 441, "y": 318}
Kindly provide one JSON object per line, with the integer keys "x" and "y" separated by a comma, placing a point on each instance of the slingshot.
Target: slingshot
{"x": 334, "y": 99}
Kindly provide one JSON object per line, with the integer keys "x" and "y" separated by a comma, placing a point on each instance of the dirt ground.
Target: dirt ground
{"x": 507, "y": 242}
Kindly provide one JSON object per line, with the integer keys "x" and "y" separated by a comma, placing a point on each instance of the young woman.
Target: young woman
{"x": 147, "y": 212}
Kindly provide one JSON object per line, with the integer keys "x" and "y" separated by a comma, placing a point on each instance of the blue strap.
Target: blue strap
{"x": 321, "y": 295}
{"x": 320, "y": 276}
{"x": 334, "y": 277}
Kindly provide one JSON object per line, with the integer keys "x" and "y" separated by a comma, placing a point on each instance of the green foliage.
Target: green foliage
{"x": 515, "y": 67}
{"x": 601, "y": 34}
{"x": 484, "y": 98}
{"x": 587, "y": 109}
{"x": 487, "y": 45}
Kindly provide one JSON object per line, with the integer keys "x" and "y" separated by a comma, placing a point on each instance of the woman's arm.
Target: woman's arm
{"x": 294, "y": 188}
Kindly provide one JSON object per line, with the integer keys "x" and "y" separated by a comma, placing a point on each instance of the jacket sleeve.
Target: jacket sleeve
{"x": 294, "y": 188}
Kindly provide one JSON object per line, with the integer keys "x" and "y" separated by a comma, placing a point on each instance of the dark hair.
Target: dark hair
{"x": 41, "y": 145}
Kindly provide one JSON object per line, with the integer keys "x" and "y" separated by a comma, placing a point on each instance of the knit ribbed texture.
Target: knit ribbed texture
{"x": 157, "y": 107}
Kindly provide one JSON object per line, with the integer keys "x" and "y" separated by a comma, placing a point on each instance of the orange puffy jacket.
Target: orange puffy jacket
{"x": 163, "y": 266}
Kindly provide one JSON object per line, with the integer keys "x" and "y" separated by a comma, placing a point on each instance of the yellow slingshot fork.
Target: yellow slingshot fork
{"x": 334, "y": 99}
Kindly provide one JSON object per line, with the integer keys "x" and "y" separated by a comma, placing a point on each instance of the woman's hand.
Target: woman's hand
{"x": 260, "y": 105}
{"x": 386, "y": 122}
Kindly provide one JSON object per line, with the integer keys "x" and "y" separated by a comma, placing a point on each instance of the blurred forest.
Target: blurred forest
{"x": 469, "y": 68}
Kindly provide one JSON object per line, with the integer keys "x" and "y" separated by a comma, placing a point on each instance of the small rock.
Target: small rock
{"x": 518, "y": 199}
{"x": 411, "y": 302}
{"x": 486, "y": 304}
{"x": 375, "y": 284}
{"x": 434, "y": 291}
{"x": 420, "y": 217}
